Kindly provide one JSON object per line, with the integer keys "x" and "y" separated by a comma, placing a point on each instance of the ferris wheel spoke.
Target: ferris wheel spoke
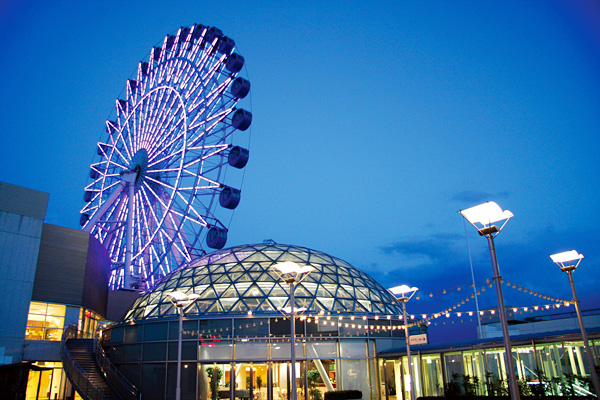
{"x": 174, "y": 225}
{"x": 163, "y": 163}
{"x": 161, "y": 143}
{"x": 218, "y": 117}
{"x": 176, "y": 137}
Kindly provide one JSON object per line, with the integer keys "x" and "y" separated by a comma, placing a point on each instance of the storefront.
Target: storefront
{"x": 555, "y": 364}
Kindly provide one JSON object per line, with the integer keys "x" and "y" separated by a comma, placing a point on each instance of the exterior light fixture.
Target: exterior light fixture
{"x": 568, "y": 262}
{"x": 293, "y": 274}
{"x": 181, "y": 301}
{"x": 404, "y": 293}
{"x": 483, "y": 217}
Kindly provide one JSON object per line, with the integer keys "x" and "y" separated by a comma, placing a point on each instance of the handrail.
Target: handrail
{"x": 78, "y": 377}
{"x": 115, "y": 378}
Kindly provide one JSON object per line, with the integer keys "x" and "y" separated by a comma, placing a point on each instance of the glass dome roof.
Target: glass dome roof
{"x": 241, "y": 279}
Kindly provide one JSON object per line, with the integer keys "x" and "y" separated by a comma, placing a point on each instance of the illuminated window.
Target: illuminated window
{"x": 88, "y": 322}
{"x": 45, "y": 321}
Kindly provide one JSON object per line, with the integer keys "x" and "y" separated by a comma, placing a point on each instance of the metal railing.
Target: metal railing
{"x": 78, "y": 377}
{"x": 115, "y": 378}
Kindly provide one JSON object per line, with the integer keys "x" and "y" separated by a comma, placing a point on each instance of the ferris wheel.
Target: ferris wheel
{"x": 160, "y": 168}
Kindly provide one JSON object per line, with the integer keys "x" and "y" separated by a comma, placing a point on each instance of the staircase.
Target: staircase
{"x": 93, "y": 384}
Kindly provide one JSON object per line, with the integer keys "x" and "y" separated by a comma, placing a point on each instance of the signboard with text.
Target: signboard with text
{"x": 417, "y": 339}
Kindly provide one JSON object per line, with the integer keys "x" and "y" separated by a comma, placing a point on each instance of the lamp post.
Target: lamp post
{"x": 568, "y": 261}
{"x": 482, "y": 218}
{"x": 406, "y": 293}
{"x": 180, "y": 300}
{"x": 292, "y": 274}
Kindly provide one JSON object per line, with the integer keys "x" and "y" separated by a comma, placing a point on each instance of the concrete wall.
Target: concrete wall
{"x": 22, "y": 212}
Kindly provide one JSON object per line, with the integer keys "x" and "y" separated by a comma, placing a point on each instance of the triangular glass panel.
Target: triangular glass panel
{"x": 203, "y": 306}
{"x": 255, "y": 276}
{"x": 216, "y": 307}
{"x": 209, "y": 293}
{"x": 253, "y": 291}
{"x": 343, "y": 294}
{"x": 328, "y": 303}
{"x": 201, "y": 279}
{"x": 239, "y": 306}
{"x": 236, "y": 268}
{"x": 348, "y": 304}
{"x": 230, "y": 292}
{"x": 148, "y": 311}
{"x": 304, "y": 302}
{"x": 238, "y": 276}
{"x": 223, "y": 279}
{"x": 318, "y": 306}
{"x": 266, "y": 305}
{"x": 257, "y": 257}
{"x": 252, "y": 303}
{"x": 317, "y": 259}
{"x": 186, "y": 283}
{"x": 365, "y": 304}
{"x": 278, "y": 302}
{"x": 327, "y": 279}
{"x": 337, "y": 306}
{"x": 301, "y": 291}
{"x": 218, "y": 269}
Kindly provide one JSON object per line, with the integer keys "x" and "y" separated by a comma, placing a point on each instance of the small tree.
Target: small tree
{"x": 214, "y": 376}
{"x": 313, "y": 376}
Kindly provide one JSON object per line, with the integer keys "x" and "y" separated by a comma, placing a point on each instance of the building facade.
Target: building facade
{"x": 236, "y": 338}
{"x": 51, "y": 277}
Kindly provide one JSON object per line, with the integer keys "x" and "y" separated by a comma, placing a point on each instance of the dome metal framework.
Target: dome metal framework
{"x": 242, "y": 280}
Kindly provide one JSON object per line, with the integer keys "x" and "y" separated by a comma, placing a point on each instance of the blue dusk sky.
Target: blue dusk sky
{"x": 374, "y": 123}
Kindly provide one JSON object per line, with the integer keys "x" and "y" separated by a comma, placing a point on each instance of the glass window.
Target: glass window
{"x": 353, "y": 348}
{"x": 190, "y": 330}
{"x": 219, "y": 328}
{"x": 156, "y": 331}
{"x": 379, "y": 328}
{"x": 153, "y": 381}
{"x": 45, "y": 321}
{"x": 189, "y": 350}
{"x": 321, "y": 326}
{"x": 251, "y": 350}
{"x": 251, "y": 327}
{"x": 282, "y": 326}
{"x": 281, "y": 350}
{"x": 454, "y": 367}
{"x": 132, "y": 352}
{"x": 321, "y": 349}
{"x": 155, "y": 351}
{"x": 222, "y": 350}
{"x": 133, "y": 333}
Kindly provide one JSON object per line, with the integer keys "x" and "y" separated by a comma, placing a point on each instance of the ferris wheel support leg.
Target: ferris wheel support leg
{"x": 105, "y": 206}
{"x": 128, "y": 273}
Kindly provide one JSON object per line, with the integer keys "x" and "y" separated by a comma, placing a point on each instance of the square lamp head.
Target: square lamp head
{"x": 292, "y": 272}
{"x": 567, "y": 260}
{"x": 403, "y": 292}
{"x": 484, "y": 215}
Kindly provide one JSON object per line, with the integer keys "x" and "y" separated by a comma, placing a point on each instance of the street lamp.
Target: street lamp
{"x": 482, "y": 218}
{"x": 404, "y": 294}
{"x": 568, "y": 262}
{"x": 180, "y": 300}
{"x": 292, "y": 274}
